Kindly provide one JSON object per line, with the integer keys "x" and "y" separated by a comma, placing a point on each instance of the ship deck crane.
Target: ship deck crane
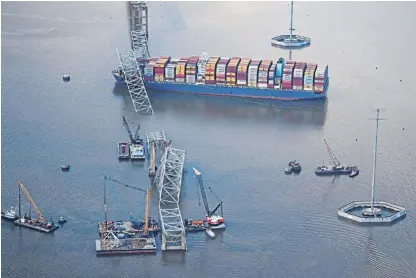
{"x": 146, "y": 211}
{"x": 333, "y": 158}
{"x": 32, "y": 203}
{"x": 136, "y": 139}
{"x": 209, "y": 213}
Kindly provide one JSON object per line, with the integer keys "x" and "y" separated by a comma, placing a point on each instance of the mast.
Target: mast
{"x": 105, "y": 203}
{"x": 374, "y": 163}
{"x": 20, "y": 205}
{"x": 291, "y": 20}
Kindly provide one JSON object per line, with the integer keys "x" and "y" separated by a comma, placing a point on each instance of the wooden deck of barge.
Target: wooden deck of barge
{"x": 35, "y": 227}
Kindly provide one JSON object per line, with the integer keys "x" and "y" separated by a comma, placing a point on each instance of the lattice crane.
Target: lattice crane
{"x": 209, "y": 214}
{"x": 29, "y": 198}
{"x": 334, "y": 160}
{"x": 146, "y": 211}
{"x": 136, "y": 139}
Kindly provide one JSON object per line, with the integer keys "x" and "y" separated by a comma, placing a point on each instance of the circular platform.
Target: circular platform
{"x": 285, "y": 41}
{"x": 382, "y": 212}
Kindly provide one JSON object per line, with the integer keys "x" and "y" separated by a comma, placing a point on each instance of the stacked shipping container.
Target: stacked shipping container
{"x": 149, "y": 70}
{"x": 308, "y": 77}
{"x": 298, "y": 75}
{"x": 263, "y": 73}
{"x": 321, "y": 77}
{"x": 180, "y": 70}
{"x": 253, "y": 71}
{"x": 236, "y": 71}
{"x": 242, "y": 70}
{"x": 210, "y": 70}
{"x": 160, "y": 68}
{"x": 191, "y": 70}
{"x": 170, "y": 70}
{"x": 287, "y": 79}
{"x": 279, "y": 74}
{"x": 270, "y": 80}
{"x": 221, "y": 69}
{"x": 231, "y": 74}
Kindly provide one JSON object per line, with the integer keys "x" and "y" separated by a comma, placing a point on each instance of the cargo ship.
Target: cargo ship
{"x": 235, "y": 77}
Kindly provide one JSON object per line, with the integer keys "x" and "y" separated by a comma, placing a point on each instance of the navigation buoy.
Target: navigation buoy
{"x": 66, "y": 78}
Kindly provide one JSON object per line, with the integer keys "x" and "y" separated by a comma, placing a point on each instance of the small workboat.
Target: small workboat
{"x": 210, "y": 233}
{"x": 10, "y": 214}
{"x": 354, "y": 173}
{"x": 288, "y": 169}
{"x": 65, "y": 167}
{"x": 61, "y": 220}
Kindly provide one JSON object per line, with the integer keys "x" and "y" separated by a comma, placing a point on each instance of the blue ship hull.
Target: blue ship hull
{"x": 243, "y": 92}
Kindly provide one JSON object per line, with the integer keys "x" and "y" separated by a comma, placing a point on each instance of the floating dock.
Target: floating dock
{"x": 38, "y": 226}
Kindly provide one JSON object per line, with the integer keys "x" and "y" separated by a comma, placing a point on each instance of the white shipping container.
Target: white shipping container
{"x": 262, "y": 85}
{"x": 190, "y": 79}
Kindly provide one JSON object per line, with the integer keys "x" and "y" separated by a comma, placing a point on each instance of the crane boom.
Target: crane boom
{"x": 146, "y": 211}
{"x": 334, "y": 160}
{"x": 126, "y": 185}
{"x": 201, "y": 185}
{"x": 126, "y": 125}
{"x": 29, "y": 198}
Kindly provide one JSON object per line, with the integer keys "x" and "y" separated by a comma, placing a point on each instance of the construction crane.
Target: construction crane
{"x": 136, "y": 139}
{"x": 32, "y": 203}
{"x": 334, "y": 160}
{"x": 211, "y": 217}
{"x": 146, "y": 211}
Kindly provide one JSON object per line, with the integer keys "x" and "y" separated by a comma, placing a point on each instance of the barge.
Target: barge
{"x": 36, "y": 224}
{"x": 123, "y": 150}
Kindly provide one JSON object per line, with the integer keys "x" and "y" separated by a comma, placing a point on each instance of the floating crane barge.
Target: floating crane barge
{"x": 126, "y": 237}
{"x": 40, "y": 224}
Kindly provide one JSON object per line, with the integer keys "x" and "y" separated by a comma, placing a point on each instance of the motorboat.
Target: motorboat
{"x": 288, "y": 169}
{"x": 354, "y": 173}
{"x": 65, "y": 167}
{"x": 210, "y": 233}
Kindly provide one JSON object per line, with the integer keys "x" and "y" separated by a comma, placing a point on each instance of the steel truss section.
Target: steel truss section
{"x": 134, "y": 80}
{"x": 173, "y": 230}
{"x": 169, "y": 175}
{"x": 140, "y": 31}
{"x": 158, "y": 137}
{"x": 169, "y": 181}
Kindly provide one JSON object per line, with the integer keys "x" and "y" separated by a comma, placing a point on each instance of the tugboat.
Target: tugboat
{"x": 295, "y": 166}
{"x": 335, "y": 168}
{"x": 10, "y": 214}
